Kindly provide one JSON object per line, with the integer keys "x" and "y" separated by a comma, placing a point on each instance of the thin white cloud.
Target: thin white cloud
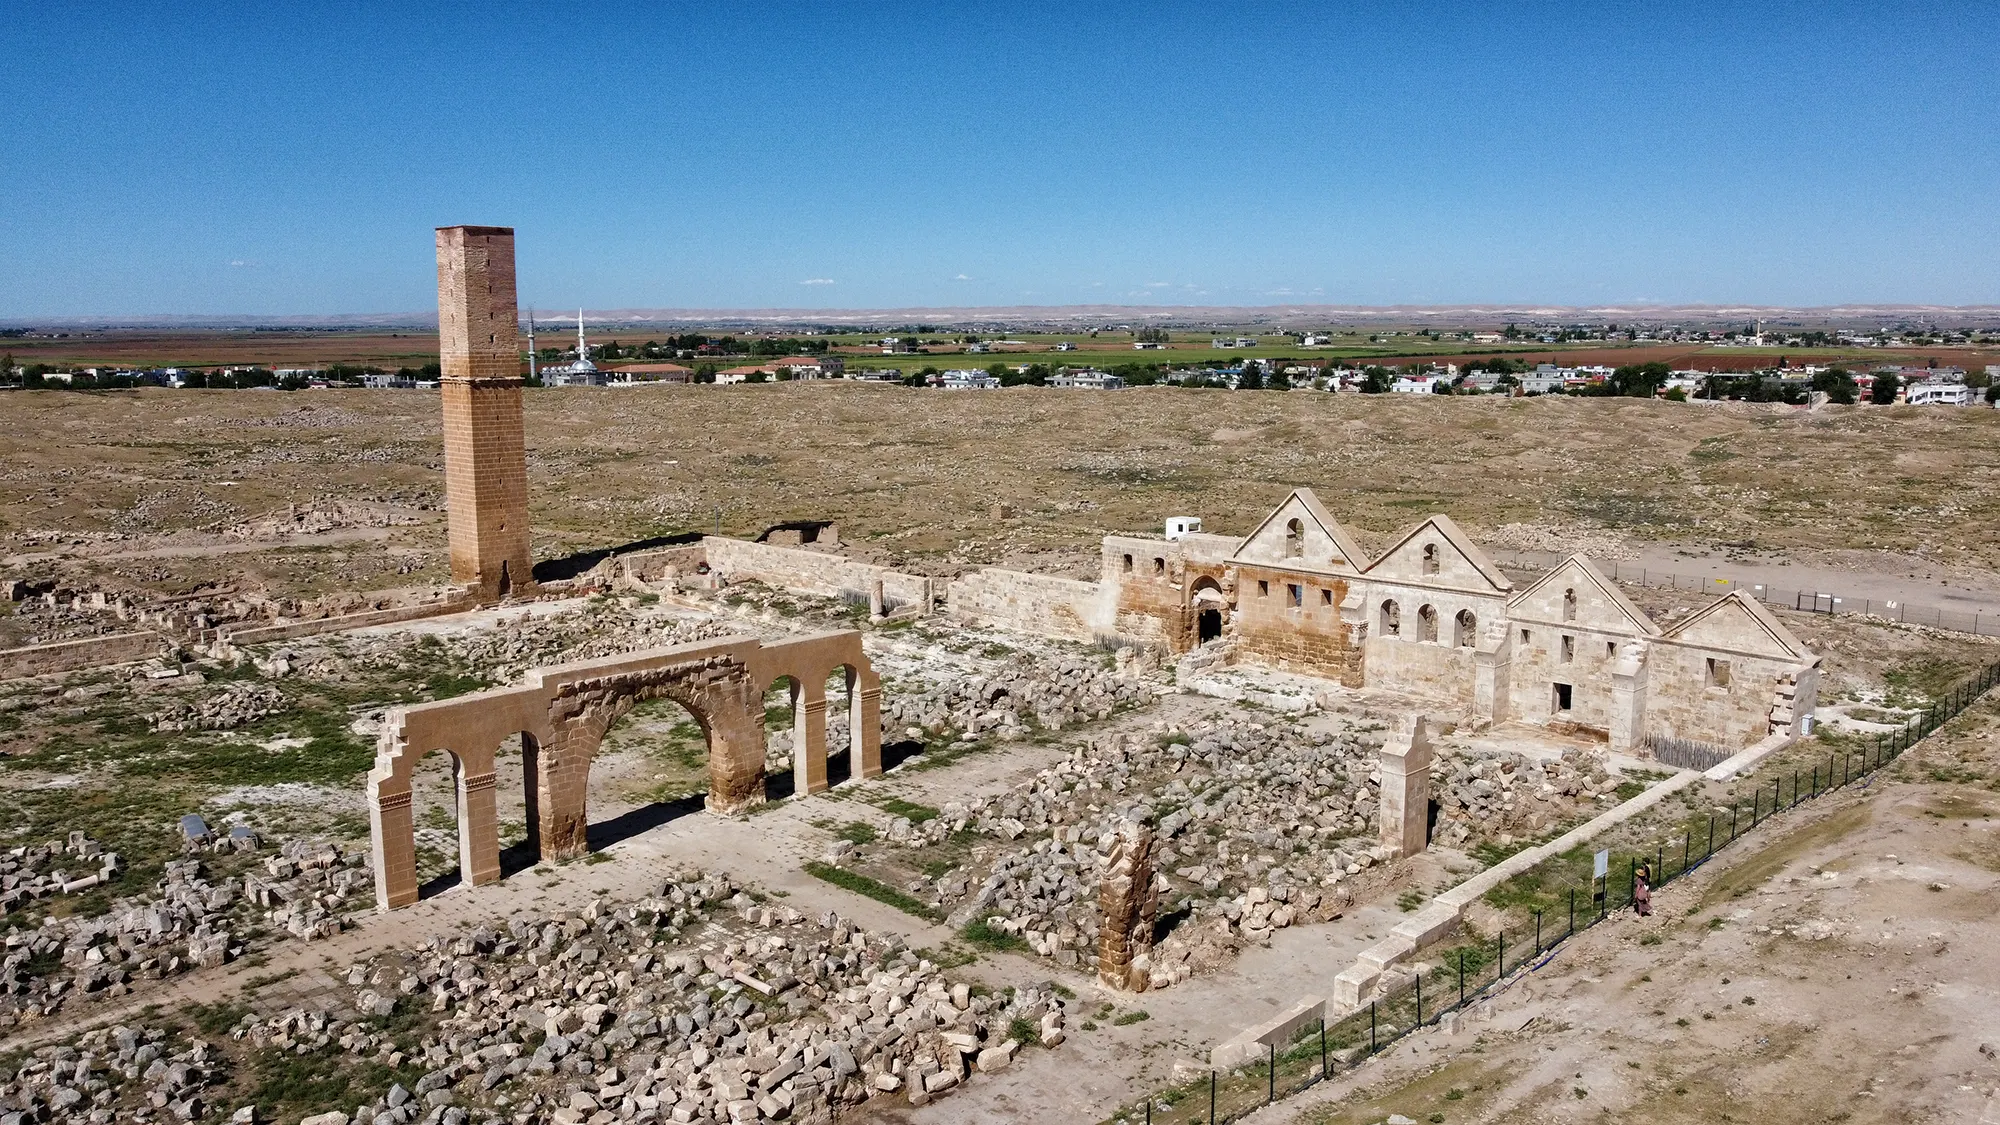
{"x": 238, "y": 263}
{"x": 962, "y": 277}
{"x": 817, "y": 281}
{"x": 1158, "y": 284}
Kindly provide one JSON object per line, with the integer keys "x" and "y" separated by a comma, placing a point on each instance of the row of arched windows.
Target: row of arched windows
{"x": 1464, "y": 627}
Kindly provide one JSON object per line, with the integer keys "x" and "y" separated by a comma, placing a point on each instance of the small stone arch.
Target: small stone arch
{"x": 1427, "y": 620}
{"x": 1392, "y": 618}
{"x": 1465, "y": 629}
{"x": 1569, "y": 604}
{"x": 1295, "y": 538}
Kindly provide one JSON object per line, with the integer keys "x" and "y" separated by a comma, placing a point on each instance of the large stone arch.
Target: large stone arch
{"x": 562, "y": 715}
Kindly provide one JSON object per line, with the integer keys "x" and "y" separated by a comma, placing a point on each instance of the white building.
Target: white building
{"x": 1939, "y": 394}
{"x": 1087, "y": 380}
{"x": 1415, "y": 385}
{"x": 967, "y": 380}
{"x": 580, "y": 372}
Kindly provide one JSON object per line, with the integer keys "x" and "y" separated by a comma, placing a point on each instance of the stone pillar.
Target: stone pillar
{"x": 485, "y": 459}
{"x": 1406, "y": 788}
{"x": 394, "y": 829}
{"x": 735, "y": 744}
{"x": 478, "y": 828}
{"x": 1492, "y": 673}
{"x": 864, "y": 723}
{"x": 1129, "y": 906}
{"x": 809, "y": 738}
{"x": 875, "y": 600}
{"x": 561, "y": 791}
{"x": 1628, "y": 698}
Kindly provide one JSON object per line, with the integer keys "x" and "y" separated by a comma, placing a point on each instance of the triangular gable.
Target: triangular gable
{"x": 1460, "y": 561}
{"x": 1325, "y": 544}
{"x": 1599, "y": 604}
{"x": 1739, "y": 622}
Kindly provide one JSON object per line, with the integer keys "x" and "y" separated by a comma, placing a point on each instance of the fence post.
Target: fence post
{"x": 1732, "y": 822}
{"x": 1149, "y": 1109}
{"x": 1501, "y": 973}
{"x": 1211, "y": 1098}
{"x": 1271, "y": 1076}
{"x": 1322, "y": 1047}
{"x": 1371, "y": 1027}
{"x": 1461, "y": 978}
{"x": 1795, "y": 789}
{"x": 1658, "y": 875}
{"x": 1685, "y": 844}
{"x": 1420, "y": 998}
{"x": 1708, "y": 852}
{"x": 1572, "y": 912}
{"x": 1538, "y": 933}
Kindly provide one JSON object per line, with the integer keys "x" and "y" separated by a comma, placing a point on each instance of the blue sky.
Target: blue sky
{"x": 273, "y": 159}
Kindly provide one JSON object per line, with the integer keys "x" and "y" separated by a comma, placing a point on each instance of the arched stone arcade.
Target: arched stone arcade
{"x": 562, "y": 714}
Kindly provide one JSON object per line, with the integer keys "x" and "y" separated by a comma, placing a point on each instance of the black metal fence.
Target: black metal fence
{"x": 1978, "y": 622}
{"x": 1465, "y": 973}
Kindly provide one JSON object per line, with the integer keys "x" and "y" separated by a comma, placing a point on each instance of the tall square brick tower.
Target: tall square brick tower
{"x": 485, "y": 457}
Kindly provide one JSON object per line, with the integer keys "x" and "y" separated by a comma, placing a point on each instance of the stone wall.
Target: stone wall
{"x": 1291, "y": 620}
{"x": 1147, "y": 580}
{"x": 289, "y": 630}
{"x": 1030, "y": 603}
{"x": 814, "y": 572}
{"x": 1434, "y": 671}
{"x": 1539, "y": 664}
{"x": 1685, "y": 703}
{"x": 69, "y": 656}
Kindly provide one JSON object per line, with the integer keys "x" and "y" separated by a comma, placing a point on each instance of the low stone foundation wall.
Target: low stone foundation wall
{"x": 814, "y": 572}
{"x": 290, "y": 630}
{"x": 70, "y": 656}
{"x": 1030, "y": 603}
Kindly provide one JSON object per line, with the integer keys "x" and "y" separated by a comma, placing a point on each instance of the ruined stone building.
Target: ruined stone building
{"x": 1431, "y": 617}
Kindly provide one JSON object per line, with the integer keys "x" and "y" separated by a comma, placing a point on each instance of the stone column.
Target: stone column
{"x": 1129, "y": 907}
{"x": 809, "y": 738}
{"x": 875, "y": 600}
{"x": 1492, "y": 668}
{"x": 394, "y": 828}
{"x": 735, "y": 710}
{"x": 478, "y": 828}
{"x": 864, "y": 721}
{"x": 1406, "y": 788}
{"x": 1628, "y": 698}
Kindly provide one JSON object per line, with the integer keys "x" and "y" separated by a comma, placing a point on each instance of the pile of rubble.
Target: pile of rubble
{"x": 1486, "y": 793}
{"x": 1049, "y": 693}
{"x": 238, "y": 703}
{"x": 117, "y": 1074}
{"x": 694, "y": 1004}
{"x": 29, "y": 873}
{"x": 188, "y": 922}
{"x": 1260, "y": 826}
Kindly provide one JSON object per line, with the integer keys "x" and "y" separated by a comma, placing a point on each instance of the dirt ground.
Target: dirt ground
{"x": 1836, "y": 969}
{"x": 152, "y": 488}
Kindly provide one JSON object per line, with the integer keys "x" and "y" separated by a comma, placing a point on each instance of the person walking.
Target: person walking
{"x": 1642, "y": 890}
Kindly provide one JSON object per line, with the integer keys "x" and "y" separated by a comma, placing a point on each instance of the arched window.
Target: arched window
{"x": 1465, "y": 629}
{"x": 1159, "y": 568}
{"x": 1569, "y": 605}
{"x": 1392, "y": 619}
{"x": 1430, "y": 558}
{"x": 1128, "y": 564}
{"x": 1295, "y": 539}
{"x": 1427, "y": 616}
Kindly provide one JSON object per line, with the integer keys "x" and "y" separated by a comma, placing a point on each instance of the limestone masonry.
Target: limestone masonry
{"x": 485, "y": 459}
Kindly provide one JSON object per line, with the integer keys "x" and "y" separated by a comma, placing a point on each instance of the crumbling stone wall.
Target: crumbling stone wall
{"x": 814, "y": 572}
{"x": 1290, "y": 620}
{"x": 68, "y": 656}
{"x": 1129, "y": 903}
{"x": 1031, "y": 603}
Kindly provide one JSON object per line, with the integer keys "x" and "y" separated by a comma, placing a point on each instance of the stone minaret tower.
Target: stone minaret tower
{"x": 485, "y": 458}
